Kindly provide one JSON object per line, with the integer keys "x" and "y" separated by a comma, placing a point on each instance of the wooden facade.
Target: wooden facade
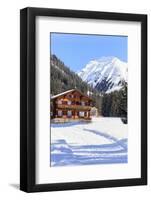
{"x": 71, "y": 105}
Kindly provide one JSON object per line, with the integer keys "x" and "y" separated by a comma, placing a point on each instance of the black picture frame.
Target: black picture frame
{"x": 28, "y": 99}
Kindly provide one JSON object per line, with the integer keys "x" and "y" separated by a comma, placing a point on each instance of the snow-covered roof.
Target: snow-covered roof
{"x": 63, "y": 93}
{"x": 60, "y": 94}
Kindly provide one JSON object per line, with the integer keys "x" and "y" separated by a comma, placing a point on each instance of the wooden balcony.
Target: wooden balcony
{"x": 73, "y": 107}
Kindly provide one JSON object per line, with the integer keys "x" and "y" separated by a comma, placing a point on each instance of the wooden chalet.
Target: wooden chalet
{"x": 71, "y": 105}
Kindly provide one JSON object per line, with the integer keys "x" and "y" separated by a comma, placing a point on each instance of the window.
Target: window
{"x": 73, "y": 103}
{"x": 81, "y": 114}
{"x": 69, "y": 113}
{"x": 69, "y": 102}
{"x": 59, "y": 102}
{"x": 59, "y": 113}
{"x": 83, "y": 103}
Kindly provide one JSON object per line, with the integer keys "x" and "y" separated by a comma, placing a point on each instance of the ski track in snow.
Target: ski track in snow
{"x": 82, "y": 143}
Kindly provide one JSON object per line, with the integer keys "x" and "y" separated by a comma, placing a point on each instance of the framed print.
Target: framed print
{"x": 83, "y": 99}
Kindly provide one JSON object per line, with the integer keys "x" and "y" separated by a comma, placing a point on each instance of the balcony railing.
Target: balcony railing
{"x": 74, "y": 107}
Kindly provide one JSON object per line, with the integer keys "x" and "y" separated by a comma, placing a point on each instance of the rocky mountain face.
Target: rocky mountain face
{"x": 106, "y": 74}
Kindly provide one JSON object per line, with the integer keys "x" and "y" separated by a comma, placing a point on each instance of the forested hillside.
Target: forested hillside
{"x": 114, "y": 104}
{"x": 62, "y": 78}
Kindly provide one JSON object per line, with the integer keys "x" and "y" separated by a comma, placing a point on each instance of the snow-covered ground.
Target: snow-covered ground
{"x": 102, "y": 141}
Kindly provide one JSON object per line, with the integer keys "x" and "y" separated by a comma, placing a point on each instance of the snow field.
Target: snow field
{"x": 104, "y": 140}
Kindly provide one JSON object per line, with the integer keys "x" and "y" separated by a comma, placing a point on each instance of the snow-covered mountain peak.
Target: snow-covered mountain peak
{"x": 106, "y": 73}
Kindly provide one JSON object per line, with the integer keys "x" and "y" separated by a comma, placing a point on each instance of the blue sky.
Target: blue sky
{"x": 76, "y": 50}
